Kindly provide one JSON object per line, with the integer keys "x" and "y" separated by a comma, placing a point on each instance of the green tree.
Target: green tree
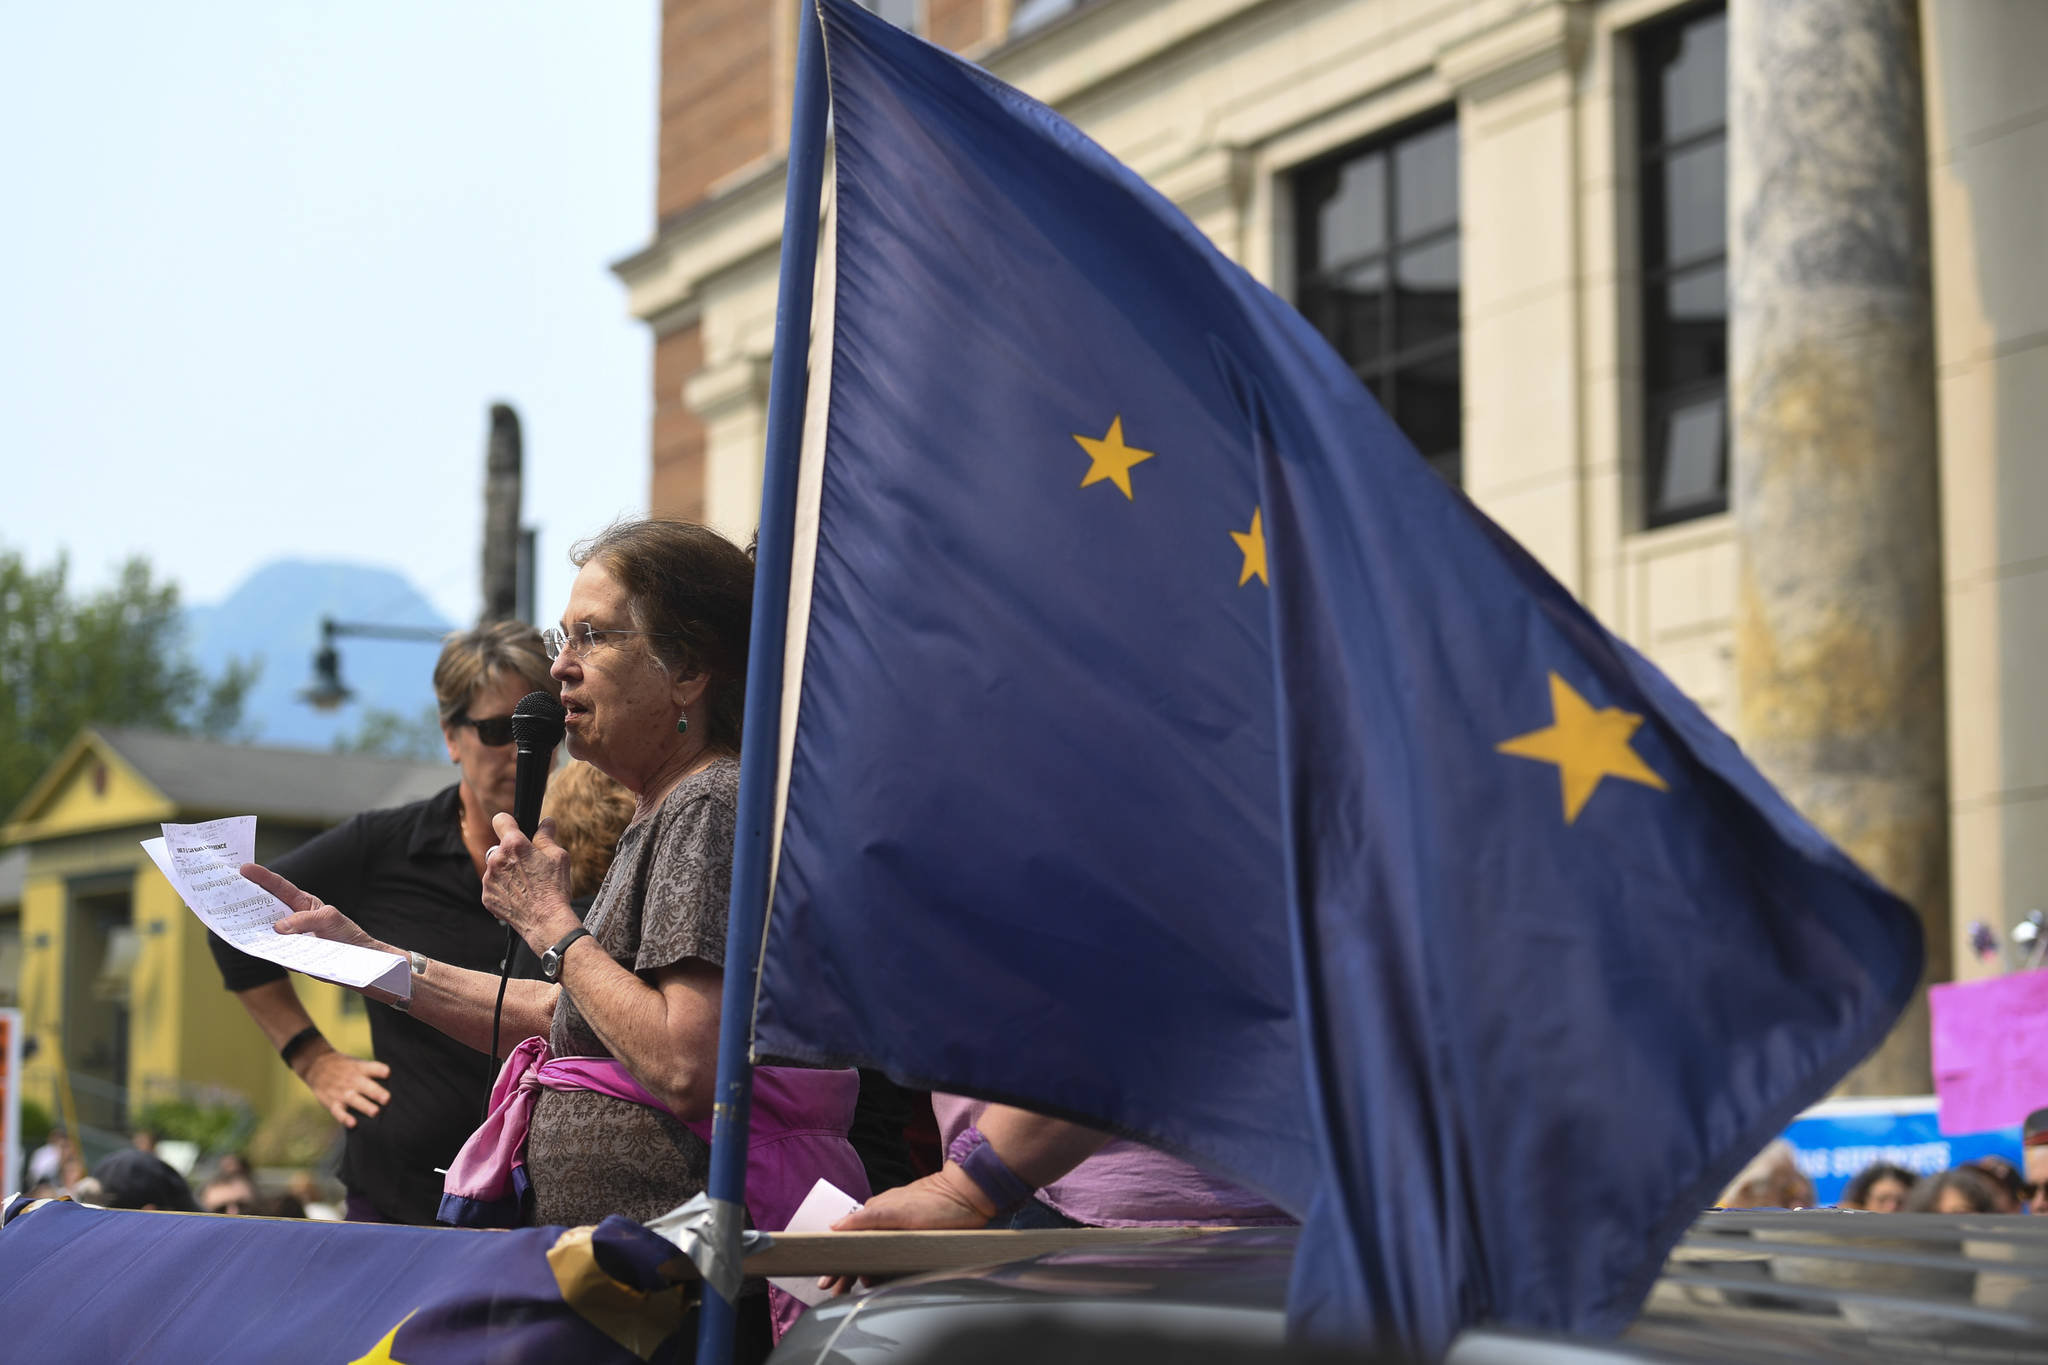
{"x": 114, "y": 657}
{"x": 392, "y": 734}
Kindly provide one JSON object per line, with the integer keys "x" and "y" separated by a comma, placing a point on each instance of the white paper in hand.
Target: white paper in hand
{"x": 825, "y": 1205}
{"x": 203, "y": 863}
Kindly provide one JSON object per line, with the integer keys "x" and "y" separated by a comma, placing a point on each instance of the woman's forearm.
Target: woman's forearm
{"x": 1038, "y": 1148}
{"x": 459, "y": 1002}
{"x": 455, "y": 1000}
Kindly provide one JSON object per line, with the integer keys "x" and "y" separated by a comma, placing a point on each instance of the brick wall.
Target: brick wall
{"x": 717, "y": 95}
{"x": 955, "y": 24}
{"x": 676, "y": 488}
{"x": 723, "y": 78}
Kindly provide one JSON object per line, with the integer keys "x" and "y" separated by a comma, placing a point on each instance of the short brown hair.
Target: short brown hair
{"x": 692, "y": 590}
{"x": 590, "y": 812}
{"x": 472, "y": 660}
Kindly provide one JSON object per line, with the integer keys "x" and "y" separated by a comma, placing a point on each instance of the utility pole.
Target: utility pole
{"x": 503, "y": 541}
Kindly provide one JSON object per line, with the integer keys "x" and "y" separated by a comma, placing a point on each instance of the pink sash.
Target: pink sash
{"x": 796, "y": 1136}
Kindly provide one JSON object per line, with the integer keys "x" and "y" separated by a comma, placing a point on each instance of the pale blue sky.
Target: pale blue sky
{"x": 267, "y": 265}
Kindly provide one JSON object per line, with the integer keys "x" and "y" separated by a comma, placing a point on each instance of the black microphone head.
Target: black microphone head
{"x": 537, "y": 722}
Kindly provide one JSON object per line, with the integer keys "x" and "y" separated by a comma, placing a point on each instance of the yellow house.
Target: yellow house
{"x": 117, "y": 989}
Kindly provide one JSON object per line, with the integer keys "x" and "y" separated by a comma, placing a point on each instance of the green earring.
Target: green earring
{"x": 682, "y": 725}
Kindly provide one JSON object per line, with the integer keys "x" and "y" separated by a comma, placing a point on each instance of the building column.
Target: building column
{"x": 1838, "y": 620}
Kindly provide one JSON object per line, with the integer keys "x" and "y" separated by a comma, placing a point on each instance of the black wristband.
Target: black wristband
{"x": 298, "y": 1040}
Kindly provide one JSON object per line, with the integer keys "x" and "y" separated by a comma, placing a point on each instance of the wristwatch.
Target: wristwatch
{"x": 551, "y": 960}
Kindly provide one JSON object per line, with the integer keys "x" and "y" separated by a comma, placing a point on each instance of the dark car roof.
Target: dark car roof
{"x": 1763, "y": 1286}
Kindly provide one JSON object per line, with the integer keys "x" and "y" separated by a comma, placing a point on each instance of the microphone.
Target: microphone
{"x": 536, "y": 730}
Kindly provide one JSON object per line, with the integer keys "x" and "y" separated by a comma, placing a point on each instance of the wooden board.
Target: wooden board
{"x": 910, "y": 1253}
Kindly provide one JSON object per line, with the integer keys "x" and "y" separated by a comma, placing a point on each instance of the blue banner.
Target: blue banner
{"x": 1839, "y": 1138}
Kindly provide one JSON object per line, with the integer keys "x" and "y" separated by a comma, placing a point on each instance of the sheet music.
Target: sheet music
{"x": 203, "y": 863}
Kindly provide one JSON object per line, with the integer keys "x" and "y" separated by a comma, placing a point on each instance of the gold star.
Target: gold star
{"x": 1113, "y": 459}
{"x": 380, "y": 1354}
{"x": 1586, "y": 745}
{"x": 1253, "y": 543}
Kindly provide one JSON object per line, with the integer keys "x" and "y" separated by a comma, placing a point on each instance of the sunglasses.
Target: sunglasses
{"x": 495, "y": 731}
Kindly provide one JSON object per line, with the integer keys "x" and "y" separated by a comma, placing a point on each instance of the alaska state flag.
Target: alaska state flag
{"x": 1166, "y": 746}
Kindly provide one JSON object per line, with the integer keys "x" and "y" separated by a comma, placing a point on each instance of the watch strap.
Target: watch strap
{"x": 551, "y": 960}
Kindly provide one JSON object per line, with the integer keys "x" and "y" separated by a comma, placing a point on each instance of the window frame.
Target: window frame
{"x": 1390, "y": 360}
{"x": 1651, "y": 45}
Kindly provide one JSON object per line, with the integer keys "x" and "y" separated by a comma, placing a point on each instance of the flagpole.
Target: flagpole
{"x": 760, "y": 741}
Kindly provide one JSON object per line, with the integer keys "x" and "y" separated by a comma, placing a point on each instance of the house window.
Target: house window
{"x": 1683, "y": 70}
{"x": 10, "y": 959}
{"x": 1376, "y": 245}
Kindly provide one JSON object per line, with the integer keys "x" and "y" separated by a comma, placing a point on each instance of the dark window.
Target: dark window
{"x": 1376, "y": 242}
{"x": 1683, "y": 66}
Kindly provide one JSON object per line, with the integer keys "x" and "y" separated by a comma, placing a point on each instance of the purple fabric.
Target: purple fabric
{"x": 1127, "y": 1184}
{"x": 1004, "y": 1187}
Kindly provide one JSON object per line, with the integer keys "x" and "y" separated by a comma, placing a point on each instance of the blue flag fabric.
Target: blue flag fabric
{"x": 89, "y": 1286}
{"x": 1174, "y": 750}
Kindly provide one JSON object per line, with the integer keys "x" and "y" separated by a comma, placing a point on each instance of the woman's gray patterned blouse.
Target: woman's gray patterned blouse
{"x": 663, "y": 902}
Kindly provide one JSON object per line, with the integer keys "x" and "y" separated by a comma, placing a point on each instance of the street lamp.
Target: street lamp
{"x": 327, "y": 692}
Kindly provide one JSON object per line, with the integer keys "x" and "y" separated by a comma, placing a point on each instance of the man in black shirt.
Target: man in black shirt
{"x": 411, "y": 875}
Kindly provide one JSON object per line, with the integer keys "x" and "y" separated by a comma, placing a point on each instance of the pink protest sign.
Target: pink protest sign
{"x": 1990, "y": 1050}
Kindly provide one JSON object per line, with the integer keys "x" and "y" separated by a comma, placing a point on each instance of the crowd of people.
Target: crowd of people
{"x": 138, "y": 1176}
{"x": 1986, "y": 1184}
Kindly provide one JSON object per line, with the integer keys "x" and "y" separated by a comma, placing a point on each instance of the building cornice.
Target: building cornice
{"x": 742, "y": 219}
{"x": 1544, "y": 39}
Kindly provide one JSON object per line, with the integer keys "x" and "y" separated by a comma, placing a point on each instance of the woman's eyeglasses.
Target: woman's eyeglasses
{"x": 495, "y": 731}
{"x": 581, "y": 638}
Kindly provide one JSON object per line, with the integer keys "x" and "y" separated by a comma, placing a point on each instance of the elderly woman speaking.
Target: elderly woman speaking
{"x": 651, "y": 655}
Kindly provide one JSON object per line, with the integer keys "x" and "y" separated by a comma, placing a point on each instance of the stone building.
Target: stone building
{"x": 1533, "y": 227}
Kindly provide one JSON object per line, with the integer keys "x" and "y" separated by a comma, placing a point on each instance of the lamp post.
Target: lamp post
{"x": 327, "y": 692}
{"x": 508, "y": 567}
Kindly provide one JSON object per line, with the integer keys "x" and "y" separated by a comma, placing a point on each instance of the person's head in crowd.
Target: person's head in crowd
{"x": 651, "y": 651}
{"x": 73, "y": 1170}
{"x": 228, "y": 1194}
{"x": 479, "y": 678}
{"x": 285, "y": 1205}
{"x": 132, "y": 1179}
{"x": 233, "y": 1166}
{"x": 1879, "y": 1188}
{"x": 1959, "y": 1189}
{"x": 143, "y": 1140}
{"x": 2034, "y": 1159}
{"x": 2005, "y": 1182}
{"x": 1772, "y": 1180}
{"x": 590, "y": 811}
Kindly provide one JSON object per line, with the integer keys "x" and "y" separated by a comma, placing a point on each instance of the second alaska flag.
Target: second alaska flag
{"x": 1172, "y": 749}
